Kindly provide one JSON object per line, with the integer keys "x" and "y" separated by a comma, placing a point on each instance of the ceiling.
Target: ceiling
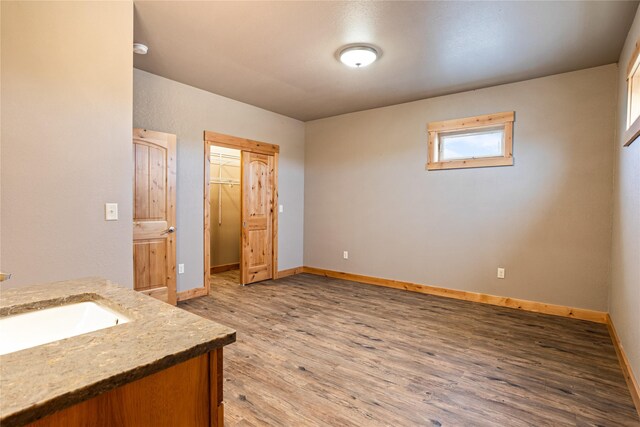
{"x": 281, "y": 56}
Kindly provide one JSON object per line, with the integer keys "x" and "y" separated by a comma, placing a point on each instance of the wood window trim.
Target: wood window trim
{"x": 476, "y": 122}
{"x": 632, "y": 130}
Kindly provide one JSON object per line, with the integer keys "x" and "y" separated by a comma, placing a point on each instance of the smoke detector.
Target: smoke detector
{"x": 140, "y": 48}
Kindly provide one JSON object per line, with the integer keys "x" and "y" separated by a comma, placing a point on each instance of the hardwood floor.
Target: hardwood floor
{"x": 224, "y": 278}
{"x": 315, "y": 351}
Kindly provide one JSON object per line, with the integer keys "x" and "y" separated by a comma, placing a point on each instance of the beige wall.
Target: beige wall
{"x": 168, "y": 106}
{"x": 547, "y": 219}
{"x": 225, "y": 233}
{"x": 66, "y": 140}
{"x": 624, "y": 299}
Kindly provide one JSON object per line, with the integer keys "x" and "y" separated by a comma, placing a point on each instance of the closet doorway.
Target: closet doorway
{"x": 240, "y": 212}
{"x": 224, "y": 209}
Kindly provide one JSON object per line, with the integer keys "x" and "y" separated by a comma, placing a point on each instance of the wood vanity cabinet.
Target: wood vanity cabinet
{"x": 186, "y": 394}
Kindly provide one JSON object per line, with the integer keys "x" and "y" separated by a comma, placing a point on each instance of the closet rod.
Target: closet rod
{"x": 222, "y": 181}
{"x": 225, "y": 156}
{"x": 225, "y": 165}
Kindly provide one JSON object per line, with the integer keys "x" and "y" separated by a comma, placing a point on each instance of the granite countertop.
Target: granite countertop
{"x": 38, "y": 381}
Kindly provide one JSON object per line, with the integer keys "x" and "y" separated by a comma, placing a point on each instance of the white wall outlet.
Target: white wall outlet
{"x": 281, "y": 208}
{"x": 180, "y": 268}
{"x": 345, "y": 255}
{"x": 500, "y": 273}
{"x": 111, "y": 211}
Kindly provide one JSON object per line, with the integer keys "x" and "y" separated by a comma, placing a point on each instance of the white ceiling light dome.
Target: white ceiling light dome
{"x": 140, "y": 49}
{"x": 358, "y": 56}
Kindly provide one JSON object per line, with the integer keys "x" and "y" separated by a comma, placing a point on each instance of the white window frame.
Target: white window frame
{"x": 469, "y": 124}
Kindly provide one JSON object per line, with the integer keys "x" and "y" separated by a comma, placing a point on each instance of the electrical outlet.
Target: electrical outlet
{"x": 345, "y": 255}
{"x": 281, "y": 208}
{"x": 180, "y": 268}
{"x": 500, "y": 273}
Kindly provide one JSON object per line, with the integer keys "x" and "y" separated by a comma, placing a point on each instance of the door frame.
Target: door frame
{"x": 242, "y": 144}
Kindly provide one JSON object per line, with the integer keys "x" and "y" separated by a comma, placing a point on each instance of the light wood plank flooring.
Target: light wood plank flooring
{"x": 315, "y": 351}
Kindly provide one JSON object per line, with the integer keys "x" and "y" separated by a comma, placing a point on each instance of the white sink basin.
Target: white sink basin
{"x": 39, "y": 327}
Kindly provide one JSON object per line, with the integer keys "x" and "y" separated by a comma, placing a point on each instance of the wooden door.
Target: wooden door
{"x": 257, "y": 217}
{"x": 154, "y": 214}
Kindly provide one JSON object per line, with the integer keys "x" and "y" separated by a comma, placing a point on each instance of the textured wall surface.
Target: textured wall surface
{"x": 547, "y": 219}
{"x": 66, "y": 140}
{"x": 624, "y": 300}
{"x": 167, "y": 106}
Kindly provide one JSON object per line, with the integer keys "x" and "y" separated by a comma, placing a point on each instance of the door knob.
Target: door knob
{"x": 5, "y": 276}
{"x": 169, "y": 230}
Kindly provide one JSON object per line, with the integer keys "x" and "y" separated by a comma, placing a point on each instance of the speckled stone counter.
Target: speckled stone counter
{"x": 38, "y": 381}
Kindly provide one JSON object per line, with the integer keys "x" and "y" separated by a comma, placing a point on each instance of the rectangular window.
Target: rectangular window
{"x": 633, "y": 97}
{"x": 472, "y": 142}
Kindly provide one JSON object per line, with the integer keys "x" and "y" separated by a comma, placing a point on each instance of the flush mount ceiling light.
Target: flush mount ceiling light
{"x": 140, "y": 48}
{"x": 358, "y": 56}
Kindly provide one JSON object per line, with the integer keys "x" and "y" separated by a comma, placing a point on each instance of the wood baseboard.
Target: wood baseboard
{"x": 289, "y": 272}
{"x": 520, "y": 304}
{"x": 629, "y": 377}
{"x": 192, "y": 293}
{"x": 225, "y": 267}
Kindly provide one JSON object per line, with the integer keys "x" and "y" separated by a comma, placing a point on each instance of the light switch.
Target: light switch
{"x": 111, "y": 211}
{"x": 281, "y": 208}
